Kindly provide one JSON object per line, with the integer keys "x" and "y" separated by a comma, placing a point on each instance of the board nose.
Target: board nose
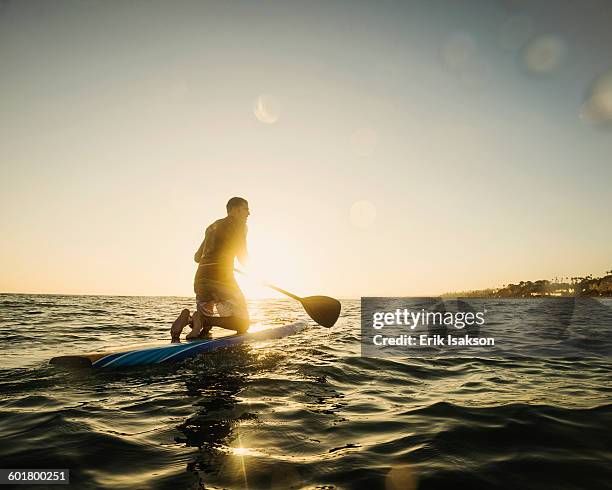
{"x": 71, "y": 361}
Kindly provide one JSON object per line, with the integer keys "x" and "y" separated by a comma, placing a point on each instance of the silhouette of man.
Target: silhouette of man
{"x": 214, "y": 284}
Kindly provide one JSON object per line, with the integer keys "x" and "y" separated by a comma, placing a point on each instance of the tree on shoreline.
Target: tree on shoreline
{"x": 558, "y": 287}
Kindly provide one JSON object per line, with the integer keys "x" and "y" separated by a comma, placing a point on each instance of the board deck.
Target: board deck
{"x": 156, "y": 353}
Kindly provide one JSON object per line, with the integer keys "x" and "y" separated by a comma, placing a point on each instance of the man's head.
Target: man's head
{"x": 238, "y": 208}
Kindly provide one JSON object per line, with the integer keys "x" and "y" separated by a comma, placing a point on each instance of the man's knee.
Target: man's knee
{"x": 242, "y": 324}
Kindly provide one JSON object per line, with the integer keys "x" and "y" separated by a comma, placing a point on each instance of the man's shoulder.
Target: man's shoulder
{"x": 224, "y": 225}
{"x": 216, "y": 224}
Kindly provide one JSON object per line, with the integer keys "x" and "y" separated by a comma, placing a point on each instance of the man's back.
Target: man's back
{"x": 224, "y": 240}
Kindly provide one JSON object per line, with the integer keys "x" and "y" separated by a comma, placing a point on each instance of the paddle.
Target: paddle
{"x": 322, "y": 309}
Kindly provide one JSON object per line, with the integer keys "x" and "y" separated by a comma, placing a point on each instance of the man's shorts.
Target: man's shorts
{"x": 222, "y": 298}
{"x": 223, "y": 308}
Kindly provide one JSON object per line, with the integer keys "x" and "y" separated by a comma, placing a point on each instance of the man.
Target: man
{"x": 214, "y": 283}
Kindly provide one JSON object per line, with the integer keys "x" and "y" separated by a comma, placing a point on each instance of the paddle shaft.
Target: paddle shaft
{"x": 272, "y": 286}
{"x": 322, "y": 309}
{"x": 281, "y": 290}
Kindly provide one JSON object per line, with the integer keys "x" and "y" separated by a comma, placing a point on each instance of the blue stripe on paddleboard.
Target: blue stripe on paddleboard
{"x": 176, "y": 352}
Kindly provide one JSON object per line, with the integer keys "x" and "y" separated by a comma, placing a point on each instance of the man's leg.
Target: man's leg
{"x": 239, "y": 324}
{"x": 200, "y": 327}
{"x": 202, "y": 324}
{"x": 234, "y": 314}
{"x": 179, "y": 324}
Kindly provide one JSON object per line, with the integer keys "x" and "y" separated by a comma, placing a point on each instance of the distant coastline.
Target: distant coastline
{"x": 557, "y": 287}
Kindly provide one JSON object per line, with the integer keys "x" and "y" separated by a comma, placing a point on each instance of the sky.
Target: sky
{"x": 385, "y": 148}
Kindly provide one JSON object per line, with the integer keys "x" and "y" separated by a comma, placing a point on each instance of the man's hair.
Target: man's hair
{"x": 235, "y": 202}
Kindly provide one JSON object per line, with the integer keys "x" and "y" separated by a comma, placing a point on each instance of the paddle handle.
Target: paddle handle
{"x": 272, "y": 286}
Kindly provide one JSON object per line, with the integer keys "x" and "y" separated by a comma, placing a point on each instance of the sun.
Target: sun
{"x": 269, "y": 260}
{"x": 252, "y": 289}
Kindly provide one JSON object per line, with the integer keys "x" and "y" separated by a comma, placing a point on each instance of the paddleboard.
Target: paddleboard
{"x": 161, "y": 353}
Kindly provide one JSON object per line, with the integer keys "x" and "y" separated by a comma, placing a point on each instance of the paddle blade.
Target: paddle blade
{"x": 322, "y": 309}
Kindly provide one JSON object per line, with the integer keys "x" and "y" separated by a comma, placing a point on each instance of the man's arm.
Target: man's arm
{"x": 198, "y": 255}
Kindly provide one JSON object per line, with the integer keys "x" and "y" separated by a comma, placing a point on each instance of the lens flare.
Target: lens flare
{"x": 544, "y": 54}
{"x": 597, "y": 108}
{"x": 266, "y": 109}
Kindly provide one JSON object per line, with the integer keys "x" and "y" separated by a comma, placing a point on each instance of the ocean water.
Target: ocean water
{"x": 306, "y": 411}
